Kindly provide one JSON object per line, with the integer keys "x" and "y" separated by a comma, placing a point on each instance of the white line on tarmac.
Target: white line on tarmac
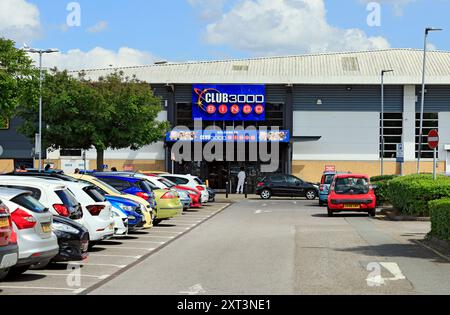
{"x": 120, "y": 256}
{"x": 39, "y": 288}
{"x": 99, "y": 265}
{"x": 154, "y": 236}
{"x": 129, "y": 248}
{"x": 142, "y": 242}
{"x": 64, "y": 275}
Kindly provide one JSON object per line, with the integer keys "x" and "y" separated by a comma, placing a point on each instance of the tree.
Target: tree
{"x": 115, "y": 112}
{"x": 18, "y": 78}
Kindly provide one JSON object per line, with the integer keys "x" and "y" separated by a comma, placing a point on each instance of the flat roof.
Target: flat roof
{"x": 363, "y": 67}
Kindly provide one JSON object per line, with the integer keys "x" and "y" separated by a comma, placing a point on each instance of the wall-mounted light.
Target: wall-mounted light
{"x": 349, "y": 88}
{"x": 319, "y": 102}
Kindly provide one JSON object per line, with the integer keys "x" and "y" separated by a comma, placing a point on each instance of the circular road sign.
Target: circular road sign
{"x": 433, "y": 139}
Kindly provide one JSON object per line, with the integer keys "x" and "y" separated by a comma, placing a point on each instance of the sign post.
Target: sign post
{"x": 401, "y": 156}
{"x": 433, "y": 143}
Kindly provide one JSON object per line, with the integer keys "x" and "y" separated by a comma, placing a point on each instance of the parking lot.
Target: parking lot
{"x": 108, "y": 259}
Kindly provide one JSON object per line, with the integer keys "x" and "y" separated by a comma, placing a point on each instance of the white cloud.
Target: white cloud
{"x": 98, "y": 27}
{"x": 285, "y": 27}
{"x": 208, "y": 9}
{"x": 19, "y": 20}
{"x": 98, "y": 57}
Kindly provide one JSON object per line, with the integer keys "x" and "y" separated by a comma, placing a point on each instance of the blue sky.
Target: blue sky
{"x": 142, "y": 31}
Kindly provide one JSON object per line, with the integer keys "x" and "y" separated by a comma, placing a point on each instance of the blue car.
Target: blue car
{"x": 325, "y": 184}
{"x": 129, "y": 185}
{"x": 131, "y": 209}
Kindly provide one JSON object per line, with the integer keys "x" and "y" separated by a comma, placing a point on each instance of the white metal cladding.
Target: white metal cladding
{"x": 347, "y": 98}
{"x": 352, "y": 136}
{"x": 333, "y": 68}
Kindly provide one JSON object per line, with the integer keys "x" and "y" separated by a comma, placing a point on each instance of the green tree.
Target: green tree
{"x": 114, "y": 112}
{"x": 18, "y": 78}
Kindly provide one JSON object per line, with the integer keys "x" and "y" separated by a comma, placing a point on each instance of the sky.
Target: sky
{"x": 105, "y": 33}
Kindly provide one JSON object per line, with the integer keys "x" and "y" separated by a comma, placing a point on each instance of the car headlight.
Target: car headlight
{"x": 64, "y": 228}
{"x": 126, "y": 208}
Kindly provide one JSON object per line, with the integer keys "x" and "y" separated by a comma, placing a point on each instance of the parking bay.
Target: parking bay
{"x": 107, "y": 258}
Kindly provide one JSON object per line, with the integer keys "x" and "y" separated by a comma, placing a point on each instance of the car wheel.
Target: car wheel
{"x": 17, "y": 271}
{"x": 156, "y": 222}
{"x": 266, "y": 194}
{"x": 373, "y": 212}
{"x": 330, "y": 213}
{"x": 311, "y": 195}
{"x": 3, "y": 273}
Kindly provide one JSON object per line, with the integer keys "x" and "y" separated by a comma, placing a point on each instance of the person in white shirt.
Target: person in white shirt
{"x": 241, "y": 181}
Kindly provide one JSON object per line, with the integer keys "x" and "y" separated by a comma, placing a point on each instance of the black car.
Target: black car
{"x": 212, "y": 194}
{"x": 281, "y": 185}
{"x": 73, "y": 240}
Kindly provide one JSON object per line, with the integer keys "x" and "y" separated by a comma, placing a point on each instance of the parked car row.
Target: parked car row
{"x": 52, "y": 217}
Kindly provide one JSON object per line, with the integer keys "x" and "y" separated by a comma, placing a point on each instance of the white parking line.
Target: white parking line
{"x": 40, "y": 288}
{"x": 64, "y": 275}
{"x": 154, "y": 236}
{"x": 120, "y": 256}
{"x": 143, "y": 242}
{"x": 114, "y": 247}
{"x": 99, "y": 265}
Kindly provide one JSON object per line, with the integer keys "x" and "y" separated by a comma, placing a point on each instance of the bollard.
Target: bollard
{"x": 246, "y": 190}
{"x": 227, "y": 189}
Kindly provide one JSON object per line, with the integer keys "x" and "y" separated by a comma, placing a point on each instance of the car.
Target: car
{"x": 32, "y": 224}
{"x": 283, "y": 185}
{"x": 162, "y": 183}
{"x": 168, "y": 203}
{"x": 8, "y": 245}
{"x": 109, "y": 191}
{"x": 73, "y": 240}
{"x": 131, "y": 210}
{"x": 193, "y": 193}
{"x": 212, "y": 194}
{"x": 54, "y": 195}
{"x": 190, "y": 181}
{"x": 97, "y": 217}
{"x": 325, "y": 183}
{"x": 351, "y": 192}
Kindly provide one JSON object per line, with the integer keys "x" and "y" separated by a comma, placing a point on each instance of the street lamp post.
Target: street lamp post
{"x": 40, "y": 52}
{"x": 422, "y": 107}
{"x": 383, "y": 72}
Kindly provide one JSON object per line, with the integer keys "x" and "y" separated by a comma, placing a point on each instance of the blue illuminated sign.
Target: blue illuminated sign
{"x": 229, "y": 102}
{"x": 281, "y": 136}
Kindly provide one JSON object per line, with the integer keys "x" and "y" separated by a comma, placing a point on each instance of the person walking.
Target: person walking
{"x": 241, "y": 181}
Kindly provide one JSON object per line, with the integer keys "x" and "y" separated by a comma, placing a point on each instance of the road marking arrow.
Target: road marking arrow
{"x": 194, "y": 290}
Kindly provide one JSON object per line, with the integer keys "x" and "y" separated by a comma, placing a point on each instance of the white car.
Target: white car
{"x": 32, "y": 223}
{"x": 120, "y": 222}
{"x": 189, "y": 181}
{"x": 53, "y": 195}
{"x": 97, "y": 216}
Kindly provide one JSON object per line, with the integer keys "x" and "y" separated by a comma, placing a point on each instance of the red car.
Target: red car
{"x": 8, "y": 242}
{"x": 351, "y": 192}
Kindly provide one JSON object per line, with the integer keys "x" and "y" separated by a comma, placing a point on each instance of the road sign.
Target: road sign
{"x": 433, "y": 139}
{"x": 400, "y": 153}
{"x": 330, "y": 168}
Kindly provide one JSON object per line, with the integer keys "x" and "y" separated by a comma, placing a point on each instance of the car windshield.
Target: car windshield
{"x": 109, "y": 187}
{"x": 30, "y": 203}
{"x": 67, "y": 198}
{"x": 167, "y": 182}
{"x": 198, "y": 181}
{"x": 352, "y": 186}
{"x": 328, "y": 179}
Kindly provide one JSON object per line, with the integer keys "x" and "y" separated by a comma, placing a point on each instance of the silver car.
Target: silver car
{"x": 32, "y": 224}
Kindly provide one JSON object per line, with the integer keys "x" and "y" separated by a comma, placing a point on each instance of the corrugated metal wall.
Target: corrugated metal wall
{"x": 437, "y": 98}
{"x": 276, "y": 93}
{"x": 161, "y": 91}
{"x": 15, "y": 145}
{"x": 362, "y": 98}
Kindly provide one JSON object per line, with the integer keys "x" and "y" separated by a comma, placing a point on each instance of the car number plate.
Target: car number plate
{"x": 352, "y": 206}
{"x": 4, "y": 222}
{"x": 46, "y": 227}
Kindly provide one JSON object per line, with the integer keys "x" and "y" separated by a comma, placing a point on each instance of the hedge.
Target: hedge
{"x": 382, "y": 183}
{"x": 411, "y": 194}
{"x": 440, "y": 218}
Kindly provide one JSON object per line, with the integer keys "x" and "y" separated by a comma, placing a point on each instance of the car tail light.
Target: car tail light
{"x": 95, "y": 210}
{"x": 13, "y": 239}
{"x": 23, "y": 220}
{"x": 169, "y": 195}
{"x": 62, "y": 210}
{"x": 261, "y": 184}
{"x": 201, "y": 188}
{"x": 143, "y": 195}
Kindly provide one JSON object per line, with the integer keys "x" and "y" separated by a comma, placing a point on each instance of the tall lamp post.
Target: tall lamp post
{"x": 383, "y": 72}
{"x": 40, "y": 52}
{"x": 422, "y": 107}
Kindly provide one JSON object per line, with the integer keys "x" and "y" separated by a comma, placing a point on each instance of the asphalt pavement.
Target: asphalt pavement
{"x": 290, "y": 247}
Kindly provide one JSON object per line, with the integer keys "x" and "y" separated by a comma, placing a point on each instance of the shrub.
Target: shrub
{"x": 411, "y": 194}
{"x": 440, "y": 218}
{"x": 382, "y": 183}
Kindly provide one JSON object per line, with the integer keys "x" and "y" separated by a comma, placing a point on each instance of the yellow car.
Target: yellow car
{"x": 109, "y": 190}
